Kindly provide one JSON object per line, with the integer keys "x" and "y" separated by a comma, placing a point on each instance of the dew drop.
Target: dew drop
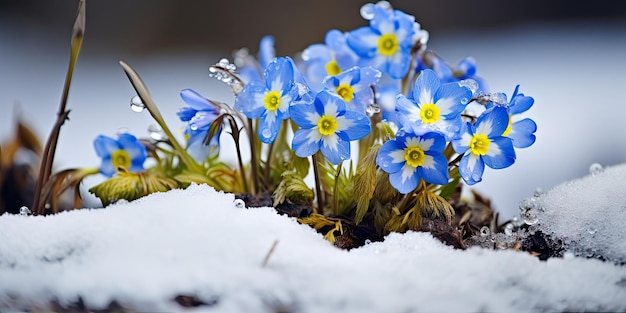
{"x": 595, "y": 169}
{"x": 155, "y": 132}
{"x": 484, "y": 231}
{"x": 469, "y": 83}
{"x": 24, "y": 211}
{"x": 367, "y": 242}
{"x": 492, "y": 238}
{"x": 193, "y": 127}
{"x": 530, "y": 217}
{"x": 239, "y": 203}
{"x": 508, "y": 229}
{"x": 136, "y": 104}
{"x": 266, "y": 133}
{"x": 372, "y": 109}
{"x": 367, "y": 11}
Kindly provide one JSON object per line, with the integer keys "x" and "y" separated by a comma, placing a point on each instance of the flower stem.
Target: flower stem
{"x": 254, "y": 159}
{"x": 268, "y": 164}
{"x": 318, "y": 184}
{"x": 47, "y": 159}
{"x": 244, "y": 180}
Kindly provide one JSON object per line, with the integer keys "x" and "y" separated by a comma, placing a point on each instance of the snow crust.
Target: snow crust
{"x": 198, "y": 242}
{"x": 588, "y": 214}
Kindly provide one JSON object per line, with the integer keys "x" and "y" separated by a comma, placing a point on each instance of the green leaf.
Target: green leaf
{"x": 365, "y": 183}
{"x": 292, "y": 188}
{"x": 131, "y": 186}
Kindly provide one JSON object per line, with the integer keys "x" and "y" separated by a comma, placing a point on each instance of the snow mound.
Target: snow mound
{"x": 587, "y": 214}
{"x": 198, "y": 242}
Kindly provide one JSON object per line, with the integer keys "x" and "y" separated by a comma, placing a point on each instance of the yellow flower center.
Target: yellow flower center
{"x": 479, "y": 145}
{"x": 388, "y": 44}
{"x": 120, "y": 158}
{"x": 509, "y": 127}
{"x": 327, "y": 125}
{"x": 272, "y": 100}
{"x": 346, "y": 92}
{"x": 332, "y": 68}
{"x": 414, "y": 156}
{"x": 429, "y": 113}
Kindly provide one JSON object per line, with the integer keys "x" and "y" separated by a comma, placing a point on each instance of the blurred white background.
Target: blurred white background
{"x": 573, "y": 65}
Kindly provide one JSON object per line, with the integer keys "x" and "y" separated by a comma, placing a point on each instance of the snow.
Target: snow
{"x": 588, "y": 214}
{"x": 197, "y": 242}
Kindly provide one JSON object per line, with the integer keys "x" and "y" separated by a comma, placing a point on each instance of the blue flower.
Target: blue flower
{"x": 249, "y": 68}
{"x": 125, "y": 152}
{"x": 386, "y": 43}
{"x": 386, "y": 97}
{"x": 327, "y": 59}
{"x": 466, "y": 69}
{"x": 411, "y": 157}
{"x": 483, "y": 143}
{"x": 326, "y": 125}
{"x": 433, "y": 105}
{"x": 199, "y": 114}
{"x": 269, "y": 100}
{"x": 521, "y": 132}
{"x": 354, "y": 86}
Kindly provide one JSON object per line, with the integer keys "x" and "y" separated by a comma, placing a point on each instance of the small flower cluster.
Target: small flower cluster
{"x": 378, "y": 85}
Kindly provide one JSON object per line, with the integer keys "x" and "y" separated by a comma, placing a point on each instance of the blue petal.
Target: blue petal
{"x": 457, "y": 143}
{"x": 106, "y": 167}
{"x": 438, "y": 174}
{"x": 105, "y": 146}
{"x": 398, "y": 64}
{"x": 324, "y": 98}
{"x": 135, "y": 149}
{"x": 360, "y": 40}
{"x": 522, "y": 133}
{"x": 249, "y": 102}
{"x": 404, "y": 186}
{"x": 335, "y": 156}
{"x": 202, "y": 119}
{"x": 266, "y": 50}
{"x": 383, "y": 20}
{"x": 369, "y": 76}
{"x": 197, "y": 135}
{"x": 520, "y": 104}
{"x": 186, "y": 113}
{"x": 385, "y": 160}
{"x": 279, "y": 75}
{"x": 195, "y": 100}
{"x": 493, "y": 122}
{"x": 360, "y": 125}
{"x": 474, "y": 174}
{"x": 300, "y": 113}
{"x": 301, "y": 144}
{"x": 505, "y": 155}
{"x": 439, "y": 142}
{"x": 467, "y": 66}
{"x": 317, "y": 52}
{"x": 268, "y": 131}
{"x": 452, "y": 99}
{"x": 331, "y": 82}
{"x": 407, "y": 111}
{"x": 425, "y": 88}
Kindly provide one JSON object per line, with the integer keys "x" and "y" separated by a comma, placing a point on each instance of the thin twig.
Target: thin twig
{"x": 253, "y": 158}
{"x": 269, "y": 253}
{"x": 45, "y": 168}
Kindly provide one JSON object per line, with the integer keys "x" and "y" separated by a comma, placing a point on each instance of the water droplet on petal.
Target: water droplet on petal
{"x": 193, "y": 127}
{"x": 24, "y": 211}
{"x": 239, "y": 203}
{"x": 136, "y": 104}
{"x": 266, "y": 133}
{"x": 595, "y": 169}
{"x": 484, "y": 231}
{"x": 155, "y": 132}
{"x": 530, "y": 217}
{"x": 367, "y": 11}
{"x": 508, "y": 229}
{"x": 469, "y": 83}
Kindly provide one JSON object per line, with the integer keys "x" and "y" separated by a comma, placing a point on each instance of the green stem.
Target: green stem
{"x": 244, "y": 180}
{"x": 318, "y": 185}
{"x": 254, "y": 158}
